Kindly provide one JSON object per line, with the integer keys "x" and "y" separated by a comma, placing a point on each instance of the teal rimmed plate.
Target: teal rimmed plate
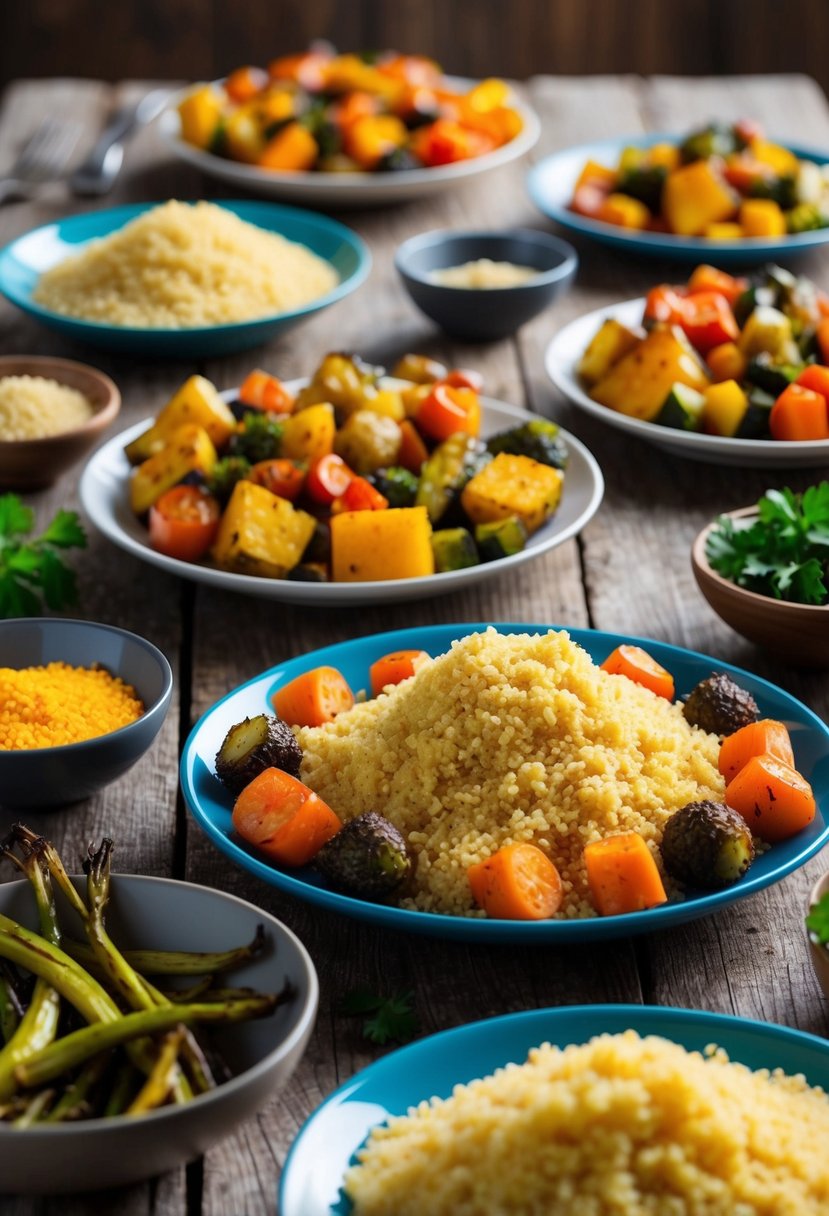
{"x": 326, "y": 1144}
{"x": 211, "y": 805}
{"x": 26, "y": 258}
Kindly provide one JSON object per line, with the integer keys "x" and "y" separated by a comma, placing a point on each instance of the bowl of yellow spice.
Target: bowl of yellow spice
{"x": 80, "y": 703}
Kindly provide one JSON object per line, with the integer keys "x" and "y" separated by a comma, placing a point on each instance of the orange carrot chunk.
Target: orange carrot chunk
{"x": 622, "y": 875}
{"x": 637, "y": 665}
{"x": 394, "y": 668}
{"x": 519, "y": 882}
{"x": 756, "y": 739}
{"x": 283, "y": 818}
{"x": 313, "y": 698}
{"x": 772, "y": 797}
{"x": 799, "y": 413}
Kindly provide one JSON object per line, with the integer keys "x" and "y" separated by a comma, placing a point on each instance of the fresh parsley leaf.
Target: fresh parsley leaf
{"x": 30, "y": 568}
{"x": 392, "y": 1019}
{"x": 360, "y": 1000}
{"x": 817, "y": 921}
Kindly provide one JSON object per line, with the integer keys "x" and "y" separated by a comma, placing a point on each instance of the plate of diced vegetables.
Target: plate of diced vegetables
{"x": 726, "y": 369}
{"x": 724, "y": 190}
{"x": 346, "y": 128}
{"x": 349, "y": 487}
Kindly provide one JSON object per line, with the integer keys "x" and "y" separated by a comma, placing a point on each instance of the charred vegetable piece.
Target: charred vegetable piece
{"x": 714, "y": 140}
{"x": 644, "y": 182}
{"x": 805, "y": 217}
{"x": 783, "y": 190}
{"x": 682, "y": 409}
{"x": 538, "y": 439}
{"x": 755, "y": 421}
{"x": 251, "y": 746}
{"x": 397, "y": 485}
{"x": 720, "y": 706}
{"x": 447, "y": 471}
{"x": 707, "y": 844}
{"x": 420, "y": 369}
{"x": 367, "y": 858}
{"x": 454, "y": 549}
{"x": 226, "y": 472}
{"x": 500, "y": 538}
{"x": 773, "y": 377}
{"x": 368, "y": 441}
{"x": 309, "y": 572}
{"x": 260, "y": 438}
{"x": 319, "y": 546}
{"x": 343, "y": 380}
{"x": 751, "y": 298}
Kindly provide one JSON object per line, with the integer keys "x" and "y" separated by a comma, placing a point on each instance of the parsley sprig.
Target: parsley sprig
{"x": 385, "y": 1019}
{"x": 817, "y": 921}
{"x": 31, "y": 568}
{"x": 784, "y": 553}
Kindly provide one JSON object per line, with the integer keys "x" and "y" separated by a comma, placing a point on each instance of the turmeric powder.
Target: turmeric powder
{"x": 57, "y": 704}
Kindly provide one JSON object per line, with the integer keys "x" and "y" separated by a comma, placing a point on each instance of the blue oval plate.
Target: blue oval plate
{"x": 326, "y": 1143}
{"x": 211, "y": 805}
{"x": 551, "y": 183}
{"x": 25, "y": 259}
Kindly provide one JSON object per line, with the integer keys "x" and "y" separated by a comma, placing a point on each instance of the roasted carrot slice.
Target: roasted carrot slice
{"x": 756, "y": 739}
{"x": 637, "y": 665}
{"x": 799, "y": 413}
{"x": 313, "y": 698}
{"x": 283, "y": 818}
{"x": 394, "y": 668}
{"x": 519, "y": 882}
{"x": 772, "y": 797}
{"x": 622, "y": 875}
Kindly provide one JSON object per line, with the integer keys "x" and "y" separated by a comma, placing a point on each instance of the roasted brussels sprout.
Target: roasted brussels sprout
{"x": 259, "y": 439}
{"x": 367, "y": 858}
{"x": 720, "y": 706}
{"x": 368, "y": 441}
{"x": 806, "y": 217}
{"x": 538, "y": 439}
{"x": 644, "y": 182}
{"x": 420, "y": 369}
{"x": 397, "y": 485}
{"x": 344, "y": 380}
{"x": 251, "y": 746}
{"x": 224, "y": 475}
{"x": 707, "y": 844}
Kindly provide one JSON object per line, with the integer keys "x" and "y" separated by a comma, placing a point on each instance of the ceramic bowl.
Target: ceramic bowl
{"x": 31, "y": 464}
{"x": 796, "y": 633}
{"x": 162, "y": 913}
{"x": 484, "y": 315}
{"x": 52, "y": 776}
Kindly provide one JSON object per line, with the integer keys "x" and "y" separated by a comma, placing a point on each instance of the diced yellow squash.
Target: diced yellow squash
{"x": 726, "y": 362}
{"x": 200, "y": 113}
{"x": 612, "y": 341}
{"x": 727, "y": 231}
{"x": 725, "y": 407}
{"x": 624, "y": 211}
{"x": 197, "y": 401}
{"x": 762, "y": 217}
{"x": 783, "y": 162}
{"x": 664, "y": 155}
{"x": 386, "y": 401}
{"x": 639, "y": 383}
{"x": 188, "y": 450}
{"x": 243, "y": 135}
{"x": 694, "y": 197}
{"x": 375, "y": 545}
{"x": 261, "y": 533}
{"x": 513, "y": 485}
{"x": 310, "y": 433}
{"x": 770, "y": 330}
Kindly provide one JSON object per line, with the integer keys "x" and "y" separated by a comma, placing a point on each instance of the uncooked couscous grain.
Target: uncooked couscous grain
{"x": 506, "y": 738}
{"x": 57, "y": 704}
{"x": 181, "y": 266}
{"x": 619, "y": 1126}
{"x": 32, "y": 407}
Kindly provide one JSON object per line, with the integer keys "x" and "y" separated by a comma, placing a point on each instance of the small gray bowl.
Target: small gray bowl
{"x": 485, "y": 314}
{"x": 52, "y": 776}
{"x": 164, "y": 914}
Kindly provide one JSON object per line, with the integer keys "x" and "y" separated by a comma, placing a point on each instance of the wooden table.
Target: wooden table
{"x": 629, "y": 571}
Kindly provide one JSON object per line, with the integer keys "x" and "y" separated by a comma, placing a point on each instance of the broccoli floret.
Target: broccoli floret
{"x": 259, "y": 439}
{"x": 806, "y": 217}
{"x": 714, "y": 140}
{"x": 782, "y": 190}
{"x": 226, "y": 472}
{"x": 644, "y": 183}
{"x": 396, "y": 484}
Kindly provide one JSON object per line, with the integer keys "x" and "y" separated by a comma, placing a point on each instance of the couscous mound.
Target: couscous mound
{"x": 507, "y": 738}
{"x": 619, "y": 1126}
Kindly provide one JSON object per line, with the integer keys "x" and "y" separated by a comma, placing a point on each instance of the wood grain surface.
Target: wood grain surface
{"x": 629, "y": 571}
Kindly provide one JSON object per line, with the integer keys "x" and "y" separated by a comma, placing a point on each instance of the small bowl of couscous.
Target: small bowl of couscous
{"x": 52, "y": 411}
{"x": 80, "y": 703}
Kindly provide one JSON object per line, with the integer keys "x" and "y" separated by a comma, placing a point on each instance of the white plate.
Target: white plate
{"x": 349, "y": 189}
{"x": 104, "y": 492}
{"x": 562, "y": 358}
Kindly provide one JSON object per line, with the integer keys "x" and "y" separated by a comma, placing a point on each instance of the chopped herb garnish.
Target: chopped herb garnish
{"x": 386, "y": 1019}
{"x": 817, "y": 921}
{"x": 31, "y": 569}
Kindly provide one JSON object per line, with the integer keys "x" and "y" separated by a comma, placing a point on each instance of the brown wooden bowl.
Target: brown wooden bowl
{"x": 796, "y": 633}
{"x": 32, "y": 464}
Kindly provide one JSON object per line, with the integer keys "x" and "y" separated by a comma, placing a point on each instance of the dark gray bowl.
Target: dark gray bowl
{"x": 168, "y": 915}
{"x": 483, "y": 315}
{"x": 52, "y": 776}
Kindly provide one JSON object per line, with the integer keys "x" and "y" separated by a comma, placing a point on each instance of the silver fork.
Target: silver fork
{"x": 42, "y": 159}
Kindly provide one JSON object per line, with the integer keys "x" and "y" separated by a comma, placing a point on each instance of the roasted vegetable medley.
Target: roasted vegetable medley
{"x": 735, "y": 357}
{"x": 724, "y": 183}
{"x": 347, "y": 113}
{"x": 89, "y": 1031}
{"x": 356, "y": 477}
{"x": 705, "y": 845}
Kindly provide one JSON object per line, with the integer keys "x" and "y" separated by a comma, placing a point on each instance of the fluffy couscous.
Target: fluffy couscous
{"x": 511, "y": 738}
{"x": 32, "y": 407}
{"x": 57, "y": 704}
{"x": 619, "y": 1126}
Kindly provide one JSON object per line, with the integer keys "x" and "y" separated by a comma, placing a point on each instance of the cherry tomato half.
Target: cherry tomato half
{"x": 281, "y": 477}
{"x": 184, "y": 522}
{"x": 328, "y": 478}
